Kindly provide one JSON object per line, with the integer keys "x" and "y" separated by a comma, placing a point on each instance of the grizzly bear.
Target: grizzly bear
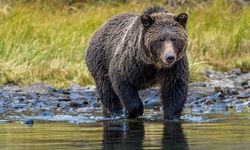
{"x": 135, "y": 51}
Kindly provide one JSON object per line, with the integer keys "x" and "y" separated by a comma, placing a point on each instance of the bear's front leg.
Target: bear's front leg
{"x": 128, "y": 95}
{"x": 173, "y": 94}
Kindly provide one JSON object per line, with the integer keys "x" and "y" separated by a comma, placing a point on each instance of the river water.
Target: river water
{"x": 216, "y": 131}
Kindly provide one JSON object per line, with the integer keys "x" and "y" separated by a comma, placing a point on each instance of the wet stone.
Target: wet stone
{"x": 188, "y": 105}
{"x": 66, "y": 99}
{"x": 51, "y": 89}
{"x": 217, "y": 96}
{"x": 209, "y": 102}
{"x": 244, "y": 95}
{"x": 18, "y": 106}
{"x": 36, "y": 88}
{"x": 47, "y": 114}
{"x": 230, "y": 88}
{"x": 236, "y": 71}
{"x": 193, "y": 97}
{"x": 218, "y": 89}
{"x": 247, "y": 103}
{"x": 75, "y": 104}
{"x": 230, "y": 100}
{"x": 29, "y": 122}
{"x": 239, "y": 108}
{"x": 198, "y": 84}
{"x": 197, "y": 110}
{"x": 233, "y": 92}
{"x": 220, "y": 107}
{"x": 150, "y": 97}
{"x": 75, "y": 96}
{"x": 211, "y": 110}
{"x": 2, "y": 110}
{"x": 86, "y": 109}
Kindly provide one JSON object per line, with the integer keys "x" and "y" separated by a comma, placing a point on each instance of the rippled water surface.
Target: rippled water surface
{"x": 196, "y": 132}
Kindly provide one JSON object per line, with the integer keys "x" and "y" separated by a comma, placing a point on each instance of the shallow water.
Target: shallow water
{"x": 215, "y": 131}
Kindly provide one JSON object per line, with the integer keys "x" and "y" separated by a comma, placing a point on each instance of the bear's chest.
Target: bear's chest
{"x": 146, "y": 78}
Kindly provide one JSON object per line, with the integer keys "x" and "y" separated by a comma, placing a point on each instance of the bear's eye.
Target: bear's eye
{"x": 173, "y": 39}
{"x": 162, "y": 39}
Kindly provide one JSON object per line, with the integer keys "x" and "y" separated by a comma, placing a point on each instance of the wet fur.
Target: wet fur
{"x": 121, "y": 65}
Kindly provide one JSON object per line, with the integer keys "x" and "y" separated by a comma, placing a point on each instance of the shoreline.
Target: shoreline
{"x": 223, "y": 92}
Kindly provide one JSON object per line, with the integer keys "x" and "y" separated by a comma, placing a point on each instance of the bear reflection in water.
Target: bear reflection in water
{"x": 132, "y": 135}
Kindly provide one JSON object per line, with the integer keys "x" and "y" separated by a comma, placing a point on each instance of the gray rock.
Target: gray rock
{"x": 198, "y": 84}
{"x": 230, "y": 100}
{"x": 218, "y": 89}
{"x": 86, "y": 109}
{"x": 220, "y": 107}
{"x": 188, "y": 106}
{"x": 236, "y": 71}
{"x": 65, "y": 98}
{"x": 217, "y": 96}
{"x": 233, "y": 91}
{"x": 51, "y": 89}
{"x": 244, "y": 96}
{"x": 193, "y": 97}
{"x": 75, "y": 104}
{"x": 248, "y": 104}
{"x": 3, "y": 121}
{"x": 151, "y": 98}
{"x": 197, "y": 110}
{"x": 36, "y": 88}
{"x": 211, "y": 110}
{"x": 47, "y": 114}
{"x": 2, "y": 110}
{"x": 209, "y": 102}
{"x": 18, "y": 106}
{"x": 28, "y": 122}
{"x": 239, "y": 108}
{"x": 75, "y": 96}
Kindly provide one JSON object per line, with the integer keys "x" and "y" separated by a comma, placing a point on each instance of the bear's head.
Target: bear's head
{"x": 164, "y": 36}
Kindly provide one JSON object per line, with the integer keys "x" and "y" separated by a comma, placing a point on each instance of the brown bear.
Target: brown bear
{"x": 135, "y": 51}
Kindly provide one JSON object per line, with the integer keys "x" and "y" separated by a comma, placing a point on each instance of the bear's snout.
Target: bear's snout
{"x": 168, "y": 54}
{"x": 170, "y": 58}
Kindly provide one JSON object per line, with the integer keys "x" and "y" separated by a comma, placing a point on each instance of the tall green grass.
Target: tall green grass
{"x": 46, "y": 41}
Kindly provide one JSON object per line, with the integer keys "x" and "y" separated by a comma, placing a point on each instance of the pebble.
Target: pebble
{"x": 209, "y": 102}
{"x": 217, "y": 96}
{"x": 75, "y": 104}
{"x": 18, "y": 106}
{"x": 197, "y": 110}
{"x": 47, "y": 114}
{"x": 193, "y": 97}
{"x": 221, "y": 107}
{"x": 244, "y": 95}
{"x": 29, "y": 122}
{"x": 221, "y": 91}
{"x": 239, "y": 108}
{"x": 2, "y": 110}
{"x": 198, "y": 84}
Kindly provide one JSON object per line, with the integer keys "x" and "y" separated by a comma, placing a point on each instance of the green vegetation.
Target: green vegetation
{"x": 46, "y": 41}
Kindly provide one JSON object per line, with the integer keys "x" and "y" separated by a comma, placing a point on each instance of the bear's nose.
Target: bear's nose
{"x": 170, "y": 59}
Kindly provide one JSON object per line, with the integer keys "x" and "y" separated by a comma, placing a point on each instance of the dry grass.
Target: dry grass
{"x": 47, "y": 41}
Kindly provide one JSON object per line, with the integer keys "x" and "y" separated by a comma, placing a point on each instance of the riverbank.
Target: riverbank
{"x": 223, "y": 92}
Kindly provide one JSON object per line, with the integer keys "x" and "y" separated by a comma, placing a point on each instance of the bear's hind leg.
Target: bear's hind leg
{"x": 111, "y": 103}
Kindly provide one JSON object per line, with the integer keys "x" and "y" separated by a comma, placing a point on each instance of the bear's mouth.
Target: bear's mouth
{"x": 163, "y": 65}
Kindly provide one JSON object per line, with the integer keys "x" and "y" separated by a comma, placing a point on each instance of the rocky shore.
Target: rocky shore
{"x": 223, "y": 92}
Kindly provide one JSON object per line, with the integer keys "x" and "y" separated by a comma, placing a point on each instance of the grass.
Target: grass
{"x": 46, "y": 41}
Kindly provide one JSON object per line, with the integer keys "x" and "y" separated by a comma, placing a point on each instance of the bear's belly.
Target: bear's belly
{"x": 148, "y": 84}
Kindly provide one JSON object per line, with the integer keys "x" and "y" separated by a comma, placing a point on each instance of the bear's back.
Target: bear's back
{"x": 108, "y": 38}
{"x": 111, "y": 34}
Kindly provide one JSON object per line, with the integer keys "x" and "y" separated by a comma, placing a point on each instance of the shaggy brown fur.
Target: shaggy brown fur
{"x": 135, "y": 51}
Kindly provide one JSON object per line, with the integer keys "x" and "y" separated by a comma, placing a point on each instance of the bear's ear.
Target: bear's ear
{"x": 182, "y": 19}
{"x": 147, "y": 20}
